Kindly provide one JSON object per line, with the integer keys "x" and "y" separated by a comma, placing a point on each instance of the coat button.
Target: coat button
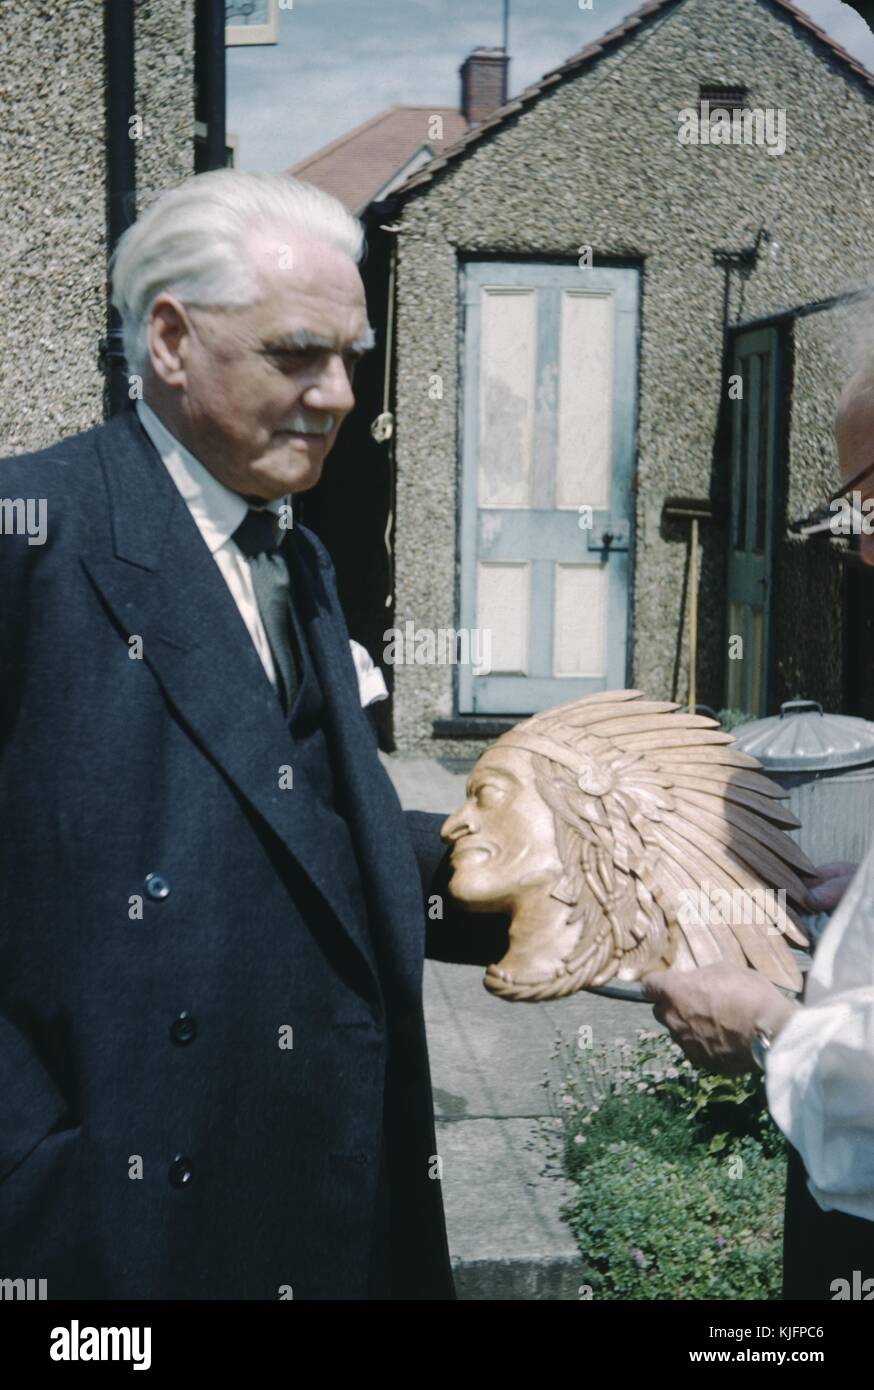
{"x": 183, "y": 1029}
{"x": 157, "y": 887}
{"x": 179, "y": 1172}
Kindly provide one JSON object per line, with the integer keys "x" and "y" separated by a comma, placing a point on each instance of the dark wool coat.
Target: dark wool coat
{"x": 167, "y": 910}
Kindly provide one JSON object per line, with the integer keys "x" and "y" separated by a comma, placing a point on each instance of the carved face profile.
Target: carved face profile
{"x": 602, "y": 826}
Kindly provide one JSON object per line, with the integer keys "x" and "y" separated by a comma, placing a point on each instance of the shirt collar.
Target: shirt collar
{"x": 215, "y": 509}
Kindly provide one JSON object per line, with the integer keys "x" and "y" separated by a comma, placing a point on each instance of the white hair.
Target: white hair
{"x": 192, "y": 241}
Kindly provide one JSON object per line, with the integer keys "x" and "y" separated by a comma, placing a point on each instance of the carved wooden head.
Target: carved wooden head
{"x": 623, "y": 835}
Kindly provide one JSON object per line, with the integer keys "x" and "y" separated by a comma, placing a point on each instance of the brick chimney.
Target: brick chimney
{"x": 483, "y": 83}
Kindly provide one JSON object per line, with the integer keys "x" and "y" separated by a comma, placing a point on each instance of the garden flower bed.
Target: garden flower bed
{"x": 679, "y": 1175}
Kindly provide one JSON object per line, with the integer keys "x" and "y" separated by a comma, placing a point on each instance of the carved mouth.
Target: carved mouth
{"x": 463, "y": 851}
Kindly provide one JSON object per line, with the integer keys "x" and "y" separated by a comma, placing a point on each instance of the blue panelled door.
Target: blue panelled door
{"x": 548, "y": 440}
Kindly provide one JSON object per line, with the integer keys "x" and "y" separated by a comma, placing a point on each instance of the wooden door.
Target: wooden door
{"x": 750, "y": 542}
{"x": 548, "y": 437}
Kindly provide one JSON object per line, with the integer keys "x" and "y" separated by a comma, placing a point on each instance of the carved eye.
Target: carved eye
{"x": 488, "y": 794}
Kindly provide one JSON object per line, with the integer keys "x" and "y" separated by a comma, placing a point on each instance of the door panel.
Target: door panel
{"x": 502, "y": 609}
{"x": 753, "y": 489}
{"x": 581, "y": 601}
{"x": 506, "y": 404}
{"x": 587, "y": 324}
{"x": 549, "y": 401}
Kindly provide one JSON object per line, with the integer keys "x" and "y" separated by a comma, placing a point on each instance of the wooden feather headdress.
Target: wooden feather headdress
{"x": 656, "y": 813}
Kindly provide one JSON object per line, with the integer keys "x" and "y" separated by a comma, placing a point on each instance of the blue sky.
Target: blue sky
{"x": 338, "y": 62}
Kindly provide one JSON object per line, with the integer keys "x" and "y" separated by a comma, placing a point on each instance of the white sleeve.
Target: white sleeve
{"x": 371, "y": 684}
{"x": 820, "y": 1070}
{"x": 820, "y": 1083}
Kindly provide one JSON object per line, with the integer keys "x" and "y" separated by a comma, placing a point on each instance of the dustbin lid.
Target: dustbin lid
{"x": 801, "y": 738}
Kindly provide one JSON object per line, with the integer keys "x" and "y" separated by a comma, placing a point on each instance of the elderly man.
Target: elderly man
{"x": 818, "y": 1057}
{"x": 213, "y": 1072}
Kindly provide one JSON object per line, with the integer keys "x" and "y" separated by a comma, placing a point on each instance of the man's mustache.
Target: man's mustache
{"x": 308, "y": 422}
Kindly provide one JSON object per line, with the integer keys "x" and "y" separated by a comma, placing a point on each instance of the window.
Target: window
{"x": 723, "y": 98}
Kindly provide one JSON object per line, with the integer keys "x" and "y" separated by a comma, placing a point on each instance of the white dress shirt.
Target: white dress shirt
{"x": 217, "y": 512}
{"x": 820, "y": 1068}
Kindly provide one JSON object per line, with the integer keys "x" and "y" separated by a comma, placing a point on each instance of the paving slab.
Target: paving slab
{"x": 488, "y": 1057}
{"x": 424, "y": 784}
{"x": 506, "y": 1237}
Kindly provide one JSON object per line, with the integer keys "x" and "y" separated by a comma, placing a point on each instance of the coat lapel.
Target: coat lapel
{"x": 373, "y": 811}
{"x": 162, "y": 583}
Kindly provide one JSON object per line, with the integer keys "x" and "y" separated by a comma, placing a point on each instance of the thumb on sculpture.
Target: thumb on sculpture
{"x": 652, "y": 985}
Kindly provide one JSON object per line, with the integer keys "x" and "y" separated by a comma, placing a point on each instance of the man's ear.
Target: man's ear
{"x": 168, "y": 334}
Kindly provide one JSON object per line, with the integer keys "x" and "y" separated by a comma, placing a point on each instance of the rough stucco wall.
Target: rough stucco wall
{"x": 53, "y": 176}
{"x": 597, "y": 161}
{"x": 425, "y": 499}
{"x": 53, "y": 232}
{"x": 827, "y": 346}
{"x": 165, "y": 95}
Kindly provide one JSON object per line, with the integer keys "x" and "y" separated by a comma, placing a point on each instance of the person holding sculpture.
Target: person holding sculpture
{"x": 818, "y": 1057}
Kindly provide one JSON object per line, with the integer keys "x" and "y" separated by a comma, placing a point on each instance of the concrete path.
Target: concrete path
{"x": 488, "y": 1060}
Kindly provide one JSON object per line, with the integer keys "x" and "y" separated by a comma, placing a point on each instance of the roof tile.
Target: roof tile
{"x": 357, "y": 165}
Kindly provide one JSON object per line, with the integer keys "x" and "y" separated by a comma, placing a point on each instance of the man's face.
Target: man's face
{"x": 503, "y": 836}
{"x": 854, "y": 434}
{"x": 260, "y": 391}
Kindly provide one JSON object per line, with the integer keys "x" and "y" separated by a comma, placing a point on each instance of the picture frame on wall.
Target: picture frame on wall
{"x": 251, "y": 22}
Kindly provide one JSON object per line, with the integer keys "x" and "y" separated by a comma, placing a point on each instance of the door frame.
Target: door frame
{"x": 466, "y": 471}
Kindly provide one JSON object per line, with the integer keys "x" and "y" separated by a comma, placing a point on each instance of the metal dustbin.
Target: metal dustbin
{"x": 826, "y": 764}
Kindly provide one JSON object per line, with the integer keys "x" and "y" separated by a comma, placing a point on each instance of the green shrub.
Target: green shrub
{"x": 679, "y": 1174}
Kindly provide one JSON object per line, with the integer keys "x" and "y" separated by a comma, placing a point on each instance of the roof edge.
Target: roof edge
{"x": 597, "y": 49}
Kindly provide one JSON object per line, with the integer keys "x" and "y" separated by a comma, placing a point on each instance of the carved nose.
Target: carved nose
{"x": 455, "y": 825}
{"x": 447, "y": 829}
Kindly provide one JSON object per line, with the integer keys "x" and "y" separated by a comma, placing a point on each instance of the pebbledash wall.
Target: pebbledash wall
{"x": 53, "y": 179}
{"x": 595, "y": 160}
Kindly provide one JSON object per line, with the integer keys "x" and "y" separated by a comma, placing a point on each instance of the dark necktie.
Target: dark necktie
{"x": 259, "y": 536}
